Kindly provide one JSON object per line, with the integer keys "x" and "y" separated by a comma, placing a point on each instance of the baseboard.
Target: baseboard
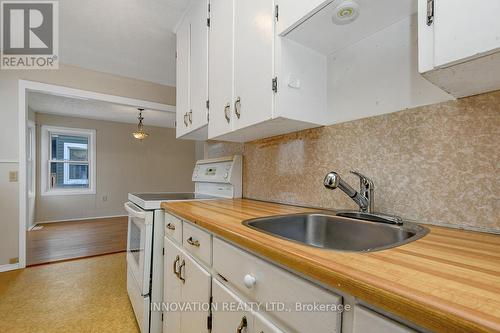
{"x": 80, "y": 219}
{"x": 8, "y": 267}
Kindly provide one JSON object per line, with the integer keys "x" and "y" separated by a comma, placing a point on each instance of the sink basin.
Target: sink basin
{"x": 338, "y": 233}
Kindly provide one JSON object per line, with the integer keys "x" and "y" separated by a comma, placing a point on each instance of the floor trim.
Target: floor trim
{"x": 76, "y": 258}
{"x": 81, "y": 219}
{"x": 8, "y": 267}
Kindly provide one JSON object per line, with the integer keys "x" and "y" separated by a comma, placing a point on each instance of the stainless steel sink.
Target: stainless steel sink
{"x": 338, "y": 233}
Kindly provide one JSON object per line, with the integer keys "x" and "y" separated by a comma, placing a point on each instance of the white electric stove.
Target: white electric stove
{"x": 214, "y": 179}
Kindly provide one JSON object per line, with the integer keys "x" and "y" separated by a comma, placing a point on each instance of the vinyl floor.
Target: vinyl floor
{"x": 85, "y": 295}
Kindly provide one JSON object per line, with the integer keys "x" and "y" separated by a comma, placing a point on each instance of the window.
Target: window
{"x": 67, "y": 161}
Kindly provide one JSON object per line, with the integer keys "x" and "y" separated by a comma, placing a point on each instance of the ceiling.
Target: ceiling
{"x": 132, "y": 38}
{"x": 91, "y": 109}
{"x": 321, "y": 34}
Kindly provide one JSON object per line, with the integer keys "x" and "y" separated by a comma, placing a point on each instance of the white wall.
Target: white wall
{"x": 123, "y": 165}
{"x": 69, "y": 76}
{"x": 383, "y": 70}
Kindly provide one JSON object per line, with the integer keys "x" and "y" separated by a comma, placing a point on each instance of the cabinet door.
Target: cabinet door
{"x": 228, "y": 311}
{"x": 368, "y": 321}
{"x": 195, "y": 290}
{"x": 198, "y": 69}
{"x": 253, "y": 61}
{"x": 464, "y": 29}
{"x": 262, "y": 325}
{"x": 172, "y": 286}
{"x": 220, "y": 58}
{"x": 182, "y": 78}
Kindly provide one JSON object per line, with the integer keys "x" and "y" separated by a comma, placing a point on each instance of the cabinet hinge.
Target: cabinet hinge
{"x": 209, "y": 322}
{"x": 208, "y": 104}
{"x": 275, "y": 84}
{"x": 208, "y": 22}
{"x": 162, "y": 317}
{"x": 430, "y": 12}
{"x": 163, "y": 251}
{"x": 276, "y": 12}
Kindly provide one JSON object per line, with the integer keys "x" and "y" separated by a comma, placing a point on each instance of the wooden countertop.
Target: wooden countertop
{"x": 447, "y": 281}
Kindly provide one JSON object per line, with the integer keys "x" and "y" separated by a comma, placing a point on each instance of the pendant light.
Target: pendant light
{"x": 140, "y": 134}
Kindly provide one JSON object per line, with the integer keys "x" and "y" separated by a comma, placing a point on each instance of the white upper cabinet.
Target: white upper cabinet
{"x": 248, "y": 69}
{"x": 182, "y": 79}
{"x": 220, "y": 67}
{"x": 269, "y": 67}
{"x": 253, "y": 62}
{"x": 192, "y": 73}
{"x": 198, "y": 72}
{"x": 459, "y": 44}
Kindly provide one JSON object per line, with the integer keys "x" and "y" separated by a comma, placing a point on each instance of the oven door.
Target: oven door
{"x": 139, "y": 245}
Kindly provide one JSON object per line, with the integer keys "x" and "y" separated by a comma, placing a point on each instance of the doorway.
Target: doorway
{"x": 108, "y": 231}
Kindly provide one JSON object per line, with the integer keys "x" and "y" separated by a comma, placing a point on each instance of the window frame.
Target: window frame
{"x": 46, "y": 159}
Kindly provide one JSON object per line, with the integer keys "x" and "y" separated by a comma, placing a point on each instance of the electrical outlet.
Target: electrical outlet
{"x": 13, "y": 176}
{"x": 13, "y": 260}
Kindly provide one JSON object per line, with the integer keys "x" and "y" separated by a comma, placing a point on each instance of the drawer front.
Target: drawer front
{"x": 265, "y": 283}
{"x": 173, "y": 227}
{"x": 198, "y": 242}
{"x": 366, "y": 320}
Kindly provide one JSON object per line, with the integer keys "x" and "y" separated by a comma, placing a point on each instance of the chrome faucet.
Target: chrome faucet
{"x": 364, "y": 198}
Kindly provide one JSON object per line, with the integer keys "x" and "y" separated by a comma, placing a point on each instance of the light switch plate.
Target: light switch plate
{"x": 13, "y": 176}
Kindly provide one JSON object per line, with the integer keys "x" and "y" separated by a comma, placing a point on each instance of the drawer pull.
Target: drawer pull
{"x": 170, "y": 226}
{"x": 249, "y": 281}
{"x": 180, "y": 276}
{"x": 175, "y": 268}
{"x": 193, "y": 242}
{"x": 243, "y": 324}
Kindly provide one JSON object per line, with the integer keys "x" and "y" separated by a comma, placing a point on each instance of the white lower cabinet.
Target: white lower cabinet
{"x": 268, "y": 284}
{"x": 231, "y": 314}
{"x": 172, "y": 286}
{"x": 187, "y": 286}
{"x": 366, "y": 320}
{"x": 217, "y": 287}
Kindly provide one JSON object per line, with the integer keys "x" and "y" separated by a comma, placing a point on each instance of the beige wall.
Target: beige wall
{"x": 69, "y": 76}
{"x": 123, "y": 164}
{"x": 437, "y": 164}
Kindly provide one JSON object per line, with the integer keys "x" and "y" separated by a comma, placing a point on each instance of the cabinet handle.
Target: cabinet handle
{"x": 170, "y": 226}
{"x": 180, "y": 276}
{"x": 243, "y": 324}
{"x": 227, "y": 108}
{"x": 190, "y": 116}
{"x": 176, "y": 261}
{"x": 249, "y": 281}
{"x": 185, "y": 119}
{"x": 193, "y": 242}
{"x": 237, "y": 107}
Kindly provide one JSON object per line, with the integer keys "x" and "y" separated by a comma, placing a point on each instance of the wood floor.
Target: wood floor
{"x": 76, "y": 239}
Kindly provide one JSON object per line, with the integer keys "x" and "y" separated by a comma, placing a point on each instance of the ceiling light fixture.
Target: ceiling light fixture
{"x": 345, "y": 12}
{"x": 140, "y": 134}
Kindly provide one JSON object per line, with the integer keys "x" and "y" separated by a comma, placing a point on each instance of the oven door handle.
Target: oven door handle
{"x": 134, "y": 211}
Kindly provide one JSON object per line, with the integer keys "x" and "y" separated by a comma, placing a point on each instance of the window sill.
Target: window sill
{"x": 67, "y": 192}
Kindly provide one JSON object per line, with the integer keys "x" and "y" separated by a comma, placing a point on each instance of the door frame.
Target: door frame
{"x": 30, "y": 125}
{"x": 25, "y": 86}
